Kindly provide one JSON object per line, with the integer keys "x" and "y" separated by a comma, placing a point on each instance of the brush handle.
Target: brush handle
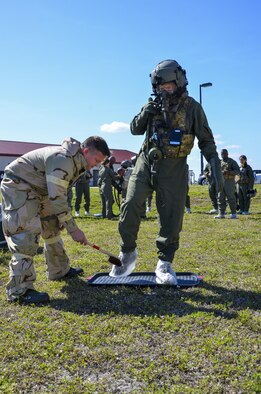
{"x": 100, "y": 249}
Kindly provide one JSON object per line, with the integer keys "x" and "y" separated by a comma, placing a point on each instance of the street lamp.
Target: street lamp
{"x": 202, "y": 85}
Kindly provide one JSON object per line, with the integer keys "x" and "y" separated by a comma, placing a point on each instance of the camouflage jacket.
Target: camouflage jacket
{"x": 50, "y": 171}
{"x": 106, "y": 178}
{"x": 229, "y": 168}
{"x": 188, "y": 117}
{"x": 247, "y": 176}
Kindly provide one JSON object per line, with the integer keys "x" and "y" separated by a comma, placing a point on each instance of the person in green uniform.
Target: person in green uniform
{"x": 230, "y": 169}
{"x": 82, "y": 188}
{"x": 106, "y": 180}
{"x": 211, "y": 189}
{"x": 245, "y": 183}
{"x": 171, "y": 122}
{"x": 34, "y": 197}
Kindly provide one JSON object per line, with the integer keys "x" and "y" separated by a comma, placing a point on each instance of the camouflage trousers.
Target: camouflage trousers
{"x": 213, "y": 194}
{"x": 227, "y": 195}
{"x": 170, "y": 185}
{"x": 26, "y": 216}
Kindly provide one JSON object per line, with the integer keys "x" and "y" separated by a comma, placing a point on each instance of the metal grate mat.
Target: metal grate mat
{"x": 145, "y": 279}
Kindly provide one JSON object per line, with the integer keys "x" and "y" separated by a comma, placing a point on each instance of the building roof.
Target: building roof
{"x": 19, "y": 148}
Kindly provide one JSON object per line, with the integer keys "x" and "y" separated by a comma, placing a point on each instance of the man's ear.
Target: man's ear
{"x": 85, "y": 151}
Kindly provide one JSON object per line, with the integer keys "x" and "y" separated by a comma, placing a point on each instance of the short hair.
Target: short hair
{"x": 98, "y": 143}
{"x": 243, "y": 157}
{"x": 224, "y": 151}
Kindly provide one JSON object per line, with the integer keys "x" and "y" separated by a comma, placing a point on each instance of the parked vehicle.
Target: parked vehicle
{"x": 202, "y": 180}
{"x": 257, "y": 175}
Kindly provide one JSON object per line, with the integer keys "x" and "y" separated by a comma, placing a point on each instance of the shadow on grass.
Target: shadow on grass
{"x": 85, "y": 299}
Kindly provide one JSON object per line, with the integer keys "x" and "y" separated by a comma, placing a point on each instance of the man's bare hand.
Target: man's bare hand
{"x": 79, "y": 236}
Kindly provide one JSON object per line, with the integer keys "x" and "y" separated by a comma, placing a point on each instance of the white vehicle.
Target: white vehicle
{"x": 257, "y": 175}
{"x": 258, "y": 178}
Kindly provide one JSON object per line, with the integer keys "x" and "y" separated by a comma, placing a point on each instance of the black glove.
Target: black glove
{"x": 217, "y": 174}
{"x": 150, "y": 108}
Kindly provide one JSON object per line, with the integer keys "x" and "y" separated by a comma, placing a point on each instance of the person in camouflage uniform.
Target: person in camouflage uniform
{"x": 211, "y": 189}
{"x": 230, "y": 169}
{"x": 106, "y": 179}
{"x": 34, "y": 197}
{"x": 245, "y": 183}
{"x": 171, "y": 122}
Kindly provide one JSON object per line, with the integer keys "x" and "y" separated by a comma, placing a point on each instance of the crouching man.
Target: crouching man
{"x": 34, "y": 198}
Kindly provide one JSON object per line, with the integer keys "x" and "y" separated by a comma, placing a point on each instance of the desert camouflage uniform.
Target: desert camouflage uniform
{"x": 230, "y": 169}
{"x": 34, "y": 196}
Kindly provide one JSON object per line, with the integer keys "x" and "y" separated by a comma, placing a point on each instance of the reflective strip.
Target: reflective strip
{"x": 57, "y": 181}
{"x": 52, "y": 240}
{"x": 20, "y": 256}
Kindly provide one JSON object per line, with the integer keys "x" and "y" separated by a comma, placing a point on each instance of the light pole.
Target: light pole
{"x": 202, "y": 85}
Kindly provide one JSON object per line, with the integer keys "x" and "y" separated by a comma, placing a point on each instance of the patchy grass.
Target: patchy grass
{"x": 122, "y": 340}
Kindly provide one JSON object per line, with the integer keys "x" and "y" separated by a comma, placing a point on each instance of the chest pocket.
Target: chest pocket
{"x": 180, "y": 123}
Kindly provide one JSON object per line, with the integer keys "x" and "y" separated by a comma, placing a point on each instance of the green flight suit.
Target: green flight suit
{"x": 211, "y": 186}
{"x": 168, "y": 177}
{"x": 230, "y": 169}
{"x": 245, "y": 183}
{"x": 34, "y": 197}
{"x": 105, "y": 182}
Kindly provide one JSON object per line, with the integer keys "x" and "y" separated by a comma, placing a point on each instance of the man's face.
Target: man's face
{"x": 92, "y": 157}
{"x": 168, "y": 87}
{"x": 242, "y": 161}
{"x": 224, "y": 154}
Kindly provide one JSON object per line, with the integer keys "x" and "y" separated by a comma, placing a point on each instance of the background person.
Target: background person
{"x": 34, "y": 197}
{"x": 245, "y": 183}
{"x": 82, "y": 188}
{"x": 105, "y": 181}
{"x": 230, "y": 169}
{"x": 211, "y": 188}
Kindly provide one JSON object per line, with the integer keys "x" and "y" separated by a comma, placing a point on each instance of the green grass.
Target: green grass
{"x": 122, "y": 340}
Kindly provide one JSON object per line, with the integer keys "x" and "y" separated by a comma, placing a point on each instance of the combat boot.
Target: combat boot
{"x": 128, "y": 261}
{"x": 31, "y": 296}
{"x": 165, "y": 274}
{"x": 73, "y": 272}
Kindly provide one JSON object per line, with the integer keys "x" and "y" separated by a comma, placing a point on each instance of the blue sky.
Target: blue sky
{"x": 76, "y": 68}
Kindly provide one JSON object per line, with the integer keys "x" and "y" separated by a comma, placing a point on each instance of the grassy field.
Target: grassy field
{"x": 121, "y": 340}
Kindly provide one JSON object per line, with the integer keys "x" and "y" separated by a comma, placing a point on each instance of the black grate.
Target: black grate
{"x": 146, "y": 279}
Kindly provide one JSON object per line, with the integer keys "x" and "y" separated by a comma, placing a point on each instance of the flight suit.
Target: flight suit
{"x": 105, "y": 181}
{"x": 34, "y": 198}
{"x": 167, "y": 176}
{"x": 82, "y": 187}
{"x": 245, "y": 183}
{"x": 211, "y": 186}
{"x": 230, "y": 169}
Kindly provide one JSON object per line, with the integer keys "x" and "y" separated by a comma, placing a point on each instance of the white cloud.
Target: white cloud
{"x": 233, "y": 146}
{"x": 114, "y": 127}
